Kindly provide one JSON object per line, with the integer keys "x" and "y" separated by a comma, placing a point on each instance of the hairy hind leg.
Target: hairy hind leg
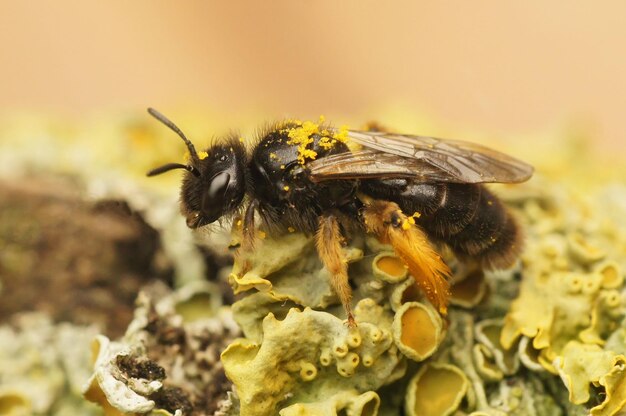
{"x": 392, "y": 226}
{"x": 328, "y": 241}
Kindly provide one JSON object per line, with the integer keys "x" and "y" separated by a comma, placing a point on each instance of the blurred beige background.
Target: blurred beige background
{"x": 502, "y": 68}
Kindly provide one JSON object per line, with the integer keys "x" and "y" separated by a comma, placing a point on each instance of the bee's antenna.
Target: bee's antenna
{"x": 192, "y": 150}
{"x": 170, "y": 166}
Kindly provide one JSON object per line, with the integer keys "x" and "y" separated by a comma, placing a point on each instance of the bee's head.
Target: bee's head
{"x": 214, "y": 184}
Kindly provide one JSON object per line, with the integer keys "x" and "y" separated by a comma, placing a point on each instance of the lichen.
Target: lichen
{"x": 43, "y": 367}
{"x": 417, "y": 330}
{"x": 347, "y": 402}
{"x": 309, "y": 356}
{"x": 570, "y": 302}
{"x": 567, "y": 287}
{"x": 168, "y": 360}
{"x": 390, "y": 268}
{"x": 436, "y": 390}
{"x": 547, "y": 337}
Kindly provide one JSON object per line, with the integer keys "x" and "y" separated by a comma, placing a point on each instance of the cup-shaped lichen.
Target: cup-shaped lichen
{"x": 417, "y": 330}
{"x": 612, "y": 275}
{"x": 470, "y": 291}
{"x": 404, "y": 292}
{"x": 13, "y": 403}
{"x": 436, "y": 390}
{"x": 582, "y": 250}
{"x": 389, "y": 267}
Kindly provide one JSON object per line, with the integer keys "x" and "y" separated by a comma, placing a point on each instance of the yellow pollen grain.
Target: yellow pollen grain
{"x": 286, "y": 188}
{"x": 405, "y": 225}
{"x": 411, "y": 220}
{"x": 241, "y": 140}
{"x": 327, "y": 142}
{"x": 273, "y": 156}
{"x": 291, "y": 229}
{"x": 342, "y": 134}
{"x": 489, "y": 202}
{"x": 238, "y": 223}
{"x": 416, "y": 214}
{"x": 301, "y": 136}
{"x": 306, "y": 154}
{"x": 202, "y": 155}
{"x": 282, "y": 166}
{"x": 261, "y": 234}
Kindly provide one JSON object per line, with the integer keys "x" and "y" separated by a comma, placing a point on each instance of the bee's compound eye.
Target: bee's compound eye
{"x": 214, "y": 198}
{"x": 218, "y": 185}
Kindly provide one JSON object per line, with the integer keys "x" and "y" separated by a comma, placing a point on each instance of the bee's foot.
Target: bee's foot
{"x": 351, "y": 322}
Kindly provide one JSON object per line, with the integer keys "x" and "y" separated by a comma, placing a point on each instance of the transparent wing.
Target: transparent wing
{"x": 424, "y": 158}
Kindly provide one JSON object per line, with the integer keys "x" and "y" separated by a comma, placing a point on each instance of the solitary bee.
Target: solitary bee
{"x": 410, "y": 191}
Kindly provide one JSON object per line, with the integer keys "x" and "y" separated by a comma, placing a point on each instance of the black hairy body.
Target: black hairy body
{"x": 407, "y": 190}
{"x": 288, "y": 199}
{"x": 466, "y": 217}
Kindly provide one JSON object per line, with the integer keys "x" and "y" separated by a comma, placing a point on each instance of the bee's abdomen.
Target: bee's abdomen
{"x": 490, "y": 236}
{"x": 467, "y": 217}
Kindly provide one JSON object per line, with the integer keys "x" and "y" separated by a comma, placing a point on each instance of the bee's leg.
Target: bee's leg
{"x": 328, "y": 241}
{"x": 248, "y": 237}
{"x": 392, "y": 226}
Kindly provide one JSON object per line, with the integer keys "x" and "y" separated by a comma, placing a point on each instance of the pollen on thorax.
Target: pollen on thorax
{"x": 302, "y": 134}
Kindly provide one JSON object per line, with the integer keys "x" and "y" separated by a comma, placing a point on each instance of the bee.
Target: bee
{"x": 412, "y": 192}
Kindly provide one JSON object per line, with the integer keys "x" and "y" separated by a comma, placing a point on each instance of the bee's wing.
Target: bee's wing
{"x": 424, "y": 158}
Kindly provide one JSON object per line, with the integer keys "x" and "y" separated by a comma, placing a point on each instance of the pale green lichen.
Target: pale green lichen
{"x": 570, "y": 303}
{"x": 43, "y": 367}
{"x": 347, "y": 402}
{"x": 269, "y": 376}
{"x": 168, "y": 359}
{"x": 112, "y": 390}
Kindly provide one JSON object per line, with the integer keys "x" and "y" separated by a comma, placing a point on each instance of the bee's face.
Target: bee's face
{"x": 215, "y": 182}
{"x": 218, "y": 189}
